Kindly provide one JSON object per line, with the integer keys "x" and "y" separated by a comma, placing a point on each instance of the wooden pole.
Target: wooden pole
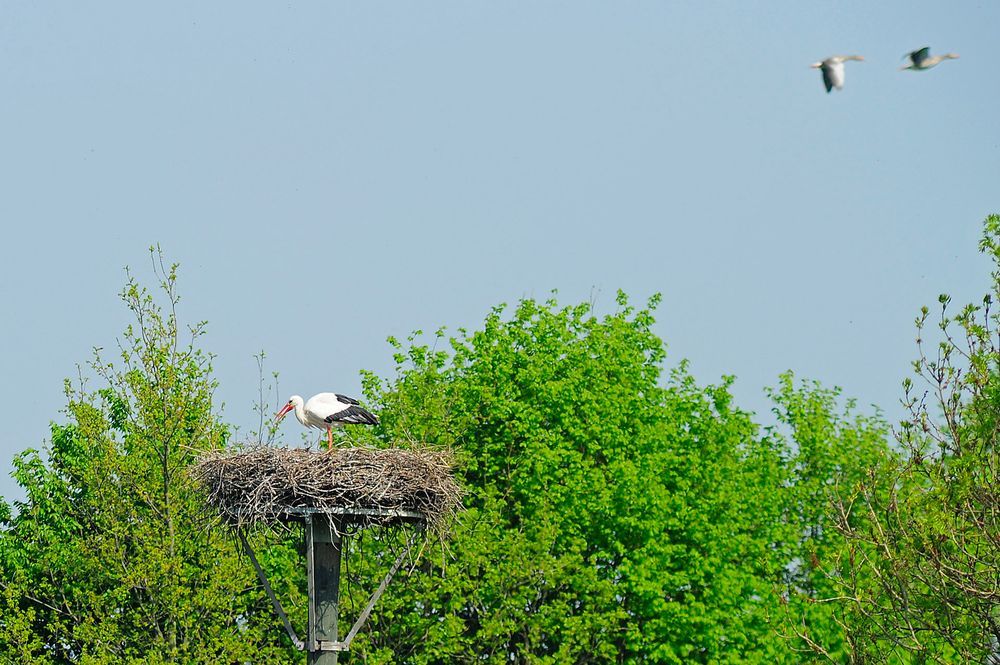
{"x": 324, "y": 547}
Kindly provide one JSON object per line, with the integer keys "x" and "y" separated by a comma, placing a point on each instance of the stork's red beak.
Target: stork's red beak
{"x": 284, "y": 410}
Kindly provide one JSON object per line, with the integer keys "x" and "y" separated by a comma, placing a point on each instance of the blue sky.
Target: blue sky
{"x": 330, "y": 173}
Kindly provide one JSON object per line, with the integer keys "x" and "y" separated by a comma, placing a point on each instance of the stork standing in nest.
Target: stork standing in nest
{"x": 922, "y": 59}
{"x": 326, "y": 411}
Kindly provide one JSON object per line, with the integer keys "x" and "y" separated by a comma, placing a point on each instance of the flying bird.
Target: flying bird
{"x": 326, "y": 411}
{"x": 922, "y": 59}
{"x": 833, "y": 70}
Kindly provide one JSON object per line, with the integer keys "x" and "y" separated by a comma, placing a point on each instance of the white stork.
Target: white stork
{"x": 833, "y": 70}
{"x": 922, "y": 59}
{"x": 326, "y": 411}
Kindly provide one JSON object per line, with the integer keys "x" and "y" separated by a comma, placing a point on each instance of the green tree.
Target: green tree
{"x": 611, "y": 517}
{"x": 832, "y": 450}
{"x": 931, "y": 534}
{"x": 615, "y": 512}
{"x": 113, "y": 558}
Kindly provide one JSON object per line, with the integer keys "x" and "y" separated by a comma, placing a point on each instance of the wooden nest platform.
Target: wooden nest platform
{"x": 354, "y": 486}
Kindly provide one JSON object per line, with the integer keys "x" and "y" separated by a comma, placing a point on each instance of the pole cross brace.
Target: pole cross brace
{"x": 326, "y": 645}
{"x": 299, "y": 644}
{"x": 346, "y": 643}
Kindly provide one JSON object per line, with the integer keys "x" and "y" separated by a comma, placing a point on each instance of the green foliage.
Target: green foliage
{"x": 612, "y": 516}
{"x": 833, "y": 452}
{"x": 112, "y": 558}
{"x": 936, "y": 530}
{"x": 615, "y": 512}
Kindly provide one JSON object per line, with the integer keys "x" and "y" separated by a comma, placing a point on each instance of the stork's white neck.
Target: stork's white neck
{"x": 300, "y": 410}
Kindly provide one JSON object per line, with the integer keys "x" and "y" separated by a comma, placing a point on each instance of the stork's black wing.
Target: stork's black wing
{"x": 827, "y": 78}
{"x": 917, "y": 57}
{"x": 352, "y": 415}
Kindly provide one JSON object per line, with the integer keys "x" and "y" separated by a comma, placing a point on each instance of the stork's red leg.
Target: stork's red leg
{"x": 329, "y": 438}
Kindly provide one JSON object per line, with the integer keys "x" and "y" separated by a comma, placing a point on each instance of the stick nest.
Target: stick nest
{"x": 261, "y": 484}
